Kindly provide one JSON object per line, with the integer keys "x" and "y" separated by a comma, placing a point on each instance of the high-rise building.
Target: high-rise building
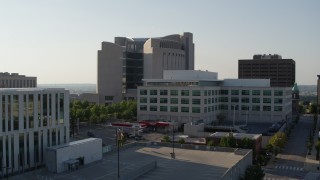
{"x": 30, "y": 121}
{"x": 318, "y": 91}
{"x": 123, "y": 64}
{"x": 281, "y": 72}
{"x": 14, "y": 80}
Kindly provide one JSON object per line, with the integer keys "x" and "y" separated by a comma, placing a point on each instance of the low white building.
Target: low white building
{"x": 30, "y": 121}
{"x": 68, "y": 156}
{"x": 197, "y": 95}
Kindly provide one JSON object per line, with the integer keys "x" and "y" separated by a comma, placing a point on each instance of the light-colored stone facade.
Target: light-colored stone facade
{"x": 30, "y": 121}
{"x": 184, "y": 101}
{"x": 122, "y": 65}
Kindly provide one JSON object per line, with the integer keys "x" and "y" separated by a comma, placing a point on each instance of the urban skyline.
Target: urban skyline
{"x": 66, "y": 36}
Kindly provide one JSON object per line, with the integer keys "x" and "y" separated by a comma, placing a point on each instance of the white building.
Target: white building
{"x": 185, "y": 96}
{"x": 30, "y": 121}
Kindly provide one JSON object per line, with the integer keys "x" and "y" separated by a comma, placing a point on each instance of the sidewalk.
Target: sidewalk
{"x": 311, "y": 164}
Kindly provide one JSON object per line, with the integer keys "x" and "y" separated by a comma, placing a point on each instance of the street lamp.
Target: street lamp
{"x": 118, "y": 144}
{"x": 173, "y": 156}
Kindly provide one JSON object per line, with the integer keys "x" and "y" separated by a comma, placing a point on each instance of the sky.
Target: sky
{"x": 58, "y": 40}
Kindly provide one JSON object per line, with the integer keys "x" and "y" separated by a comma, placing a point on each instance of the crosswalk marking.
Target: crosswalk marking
{"x": 291, "y": 168}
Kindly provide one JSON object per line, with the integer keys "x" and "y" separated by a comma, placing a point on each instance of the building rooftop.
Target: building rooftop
{"x": 236, "y": 135}
{"x": 29, "y": 89}
{"x": 188, "y": 164}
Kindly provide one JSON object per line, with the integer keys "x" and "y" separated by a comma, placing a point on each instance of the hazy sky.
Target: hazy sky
{"x": 57, "y": 40}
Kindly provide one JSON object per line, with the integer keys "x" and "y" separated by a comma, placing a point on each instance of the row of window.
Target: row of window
{"x": 165, "y": 92}
{"x": 210, "y": 100}
{"x": 209, "y": 108}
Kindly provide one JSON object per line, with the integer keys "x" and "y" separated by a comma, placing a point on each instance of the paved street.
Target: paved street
{"x": 289, "y": 164}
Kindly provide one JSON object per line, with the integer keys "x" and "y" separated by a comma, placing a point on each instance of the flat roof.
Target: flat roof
{"x": 188, "y": 164}
{"x": 29, "y": 89}
{"x": 236, "y": 135}
{"x": 82, "y": 141}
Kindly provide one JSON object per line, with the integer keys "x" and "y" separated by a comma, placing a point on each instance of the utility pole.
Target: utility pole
{"x": 173, "y": 156}
{"x": 117, "y": 144}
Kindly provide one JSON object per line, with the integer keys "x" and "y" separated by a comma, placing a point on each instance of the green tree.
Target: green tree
{"x": 166, "y": 138}
{"x": 228, "y": 141}
{"x": 318, "y": 149}
{"x": 210, "y": 143}
{"x": 182, "y": 141}
{"x": 278, "y": 139}
{"x": 253, "y": 172}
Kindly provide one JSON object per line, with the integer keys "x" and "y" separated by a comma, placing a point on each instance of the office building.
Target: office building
{"x": 31, "y": 120}
{"x": 318, "y": 90}
{"x": 186, "y": 96}
{"x": 14, "y": 80}
{"x": 123, "y": 64}
{"x": 281, "y": 72}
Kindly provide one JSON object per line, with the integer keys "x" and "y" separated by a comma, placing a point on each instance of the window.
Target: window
{"x": 174, "y": 100}
{"x": 209, "y": 92}
{"x": 223, "y": 99}
{"x": 205, "y": 93}
{"x": 256, "y": 92}
{"x": 278, "y": 108}
{"x": 184, "y": 92}
{"x": 163, "y": 100}
{"x": 184, "y": 101}
{"x": 224, "y": 92}
{"x": 108, "y": 98}
{"x": 278, "y": 93}
{"x": 163, "y": 92}
{"x": 224, "y": 107}
{"x": 143, "y": 92}
{"x": 205, "y": 101}
{"x": 173, "y": 108}
{"x": 143, "y": 100}
{"x": 245, "y": 108}
{"x": 236, "y": 107}
{"x": 196, "y": 101}
{"x": 234, "y": 92}
{"x": 153, "y": 100}
{"x": 143, "y": 108}
{"x": 153, "y": 92}
{"x": 255, "y": 108}
{"x": 267, "y": 100}
{"x": 255, "y": 100}
{"x": 278, "y": 100}
{"x": 195, "y": 109}
{"x": 245, "y": 92}
{"x": 234, "y": 99}
{"x": 174, "y": 92}
{"x": 184, "y": 109}
{"x": 267, "y": 92}
{"x": 153, "y": 108}
{"x": 163, "y": 108}
{"x": 196, "y": 92}
{"x": 245, "y": 100}
{"x": 266, "y": 108}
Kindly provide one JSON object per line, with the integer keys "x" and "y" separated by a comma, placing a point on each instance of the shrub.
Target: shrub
{"x": 253, "y": 172}
{"x": 182, "y": 141}
{"x": 166, "y": 138}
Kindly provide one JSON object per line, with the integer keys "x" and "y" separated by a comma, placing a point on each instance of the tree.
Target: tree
{"x": 210, "y": 143}
{"x": 182, "y": 141}
{"x": 253, "y": 172}
{"x": 166, "y": 138}
{"x": 228, "y": 141}
{"x": 318, "y": 149}
{"x": 278, "y": 139}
